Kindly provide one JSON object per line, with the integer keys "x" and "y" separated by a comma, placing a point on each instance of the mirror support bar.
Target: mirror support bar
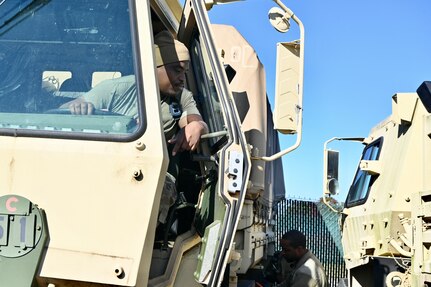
{"x": 300, "y": 89}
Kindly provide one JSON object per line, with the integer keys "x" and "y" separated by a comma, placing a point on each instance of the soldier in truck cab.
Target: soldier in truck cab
{"x": 182, "y": 122}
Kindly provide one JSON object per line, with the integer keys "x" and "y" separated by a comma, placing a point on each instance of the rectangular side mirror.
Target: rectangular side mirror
{"x": 333, "y": 158}
{"x": 330, "y": 176}
{"x": 288, "y": 90}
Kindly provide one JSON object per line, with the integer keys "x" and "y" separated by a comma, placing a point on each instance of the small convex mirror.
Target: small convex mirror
{"x": 279, "y": 19}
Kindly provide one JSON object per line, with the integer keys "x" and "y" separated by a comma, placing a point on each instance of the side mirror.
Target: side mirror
{"x": 289, "y": 74}
{"x": 330, "y": 176}
{"x": 289, "y": 77}
{"x": 288, "y": 81}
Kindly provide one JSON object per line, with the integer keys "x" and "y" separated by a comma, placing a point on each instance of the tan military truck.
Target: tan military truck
{"x": 385, "y": 222}
{"x": 80, "y": 194}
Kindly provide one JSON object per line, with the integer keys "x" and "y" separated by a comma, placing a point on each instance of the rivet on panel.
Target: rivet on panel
{"x": 140, "y": 145}
{"x": 119, "y": 272}
{"x": 137, "y": 174}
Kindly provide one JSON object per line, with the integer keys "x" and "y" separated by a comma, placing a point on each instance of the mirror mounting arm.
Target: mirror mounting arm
{"x": 300, "y": 89}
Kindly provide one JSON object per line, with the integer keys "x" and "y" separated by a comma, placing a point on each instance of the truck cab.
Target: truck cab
{"x": 80, "y": 195}
{"x": 385, "y": 219}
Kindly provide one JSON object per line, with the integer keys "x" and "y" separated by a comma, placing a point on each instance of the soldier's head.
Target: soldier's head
{"x": 293, "y": 245}
{"x": 172, "y": 61}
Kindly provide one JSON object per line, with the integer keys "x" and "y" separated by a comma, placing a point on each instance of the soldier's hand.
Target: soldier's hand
{"x": 81, "y": 108}
{"x": 188, "y": 138}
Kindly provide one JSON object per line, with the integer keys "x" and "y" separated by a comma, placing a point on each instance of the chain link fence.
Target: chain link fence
{"x": 321, "y": 227}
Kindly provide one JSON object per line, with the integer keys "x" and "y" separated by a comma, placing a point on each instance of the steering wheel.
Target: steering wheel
{"x": 95, "y": 112}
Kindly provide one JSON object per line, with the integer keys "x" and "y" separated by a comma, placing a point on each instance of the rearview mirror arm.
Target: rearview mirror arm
{"x": 300, "y": 89}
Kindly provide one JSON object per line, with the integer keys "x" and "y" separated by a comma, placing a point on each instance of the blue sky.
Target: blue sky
{"x": 357, "y": 55}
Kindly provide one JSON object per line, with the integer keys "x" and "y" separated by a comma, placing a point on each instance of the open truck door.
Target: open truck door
{"x": 234, "y": 158}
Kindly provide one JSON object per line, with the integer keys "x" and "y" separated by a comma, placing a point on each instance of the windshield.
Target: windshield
{"x": 54, "y": 52}
{"x": 363, "y": 180}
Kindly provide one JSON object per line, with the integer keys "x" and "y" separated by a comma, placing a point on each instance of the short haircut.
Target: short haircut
{"x": 296, "y": 238}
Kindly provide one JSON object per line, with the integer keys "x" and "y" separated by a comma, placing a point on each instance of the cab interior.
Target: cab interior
{"x": 195, "y": 206}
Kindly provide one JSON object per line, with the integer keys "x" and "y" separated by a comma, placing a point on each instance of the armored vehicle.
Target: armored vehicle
{"x": 385, "y": 222}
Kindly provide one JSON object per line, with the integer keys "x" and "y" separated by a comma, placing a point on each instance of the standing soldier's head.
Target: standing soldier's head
{"x": 293, "y": 245}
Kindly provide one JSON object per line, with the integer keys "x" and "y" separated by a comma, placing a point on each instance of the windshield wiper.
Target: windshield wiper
{"x": 21, "y": 14}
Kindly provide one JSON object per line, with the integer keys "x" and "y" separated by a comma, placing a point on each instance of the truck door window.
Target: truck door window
{"x": 52, "y": 52}
{"x": 363, "y": 181}
{"x": 206, "y": 95}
